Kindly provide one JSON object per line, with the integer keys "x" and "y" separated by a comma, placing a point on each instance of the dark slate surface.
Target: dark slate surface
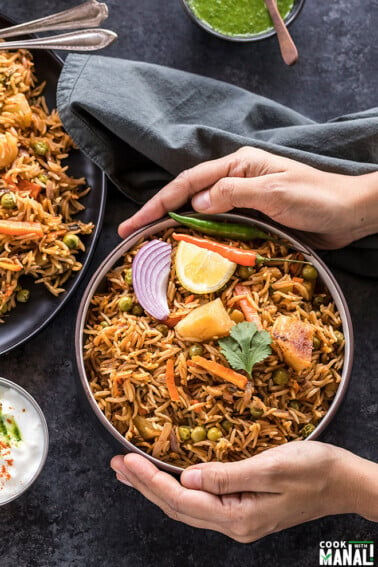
{"x": 77, "y": 514}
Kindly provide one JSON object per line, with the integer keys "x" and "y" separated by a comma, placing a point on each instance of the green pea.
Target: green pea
{"x": 125, "y": 303}
{"x": 307, "y": 430}
{"x": 137, "y": 310}
{"x": 43, "y": 178}
{"x": 316, "y": 343}
{"x": 129, "y": 276}
{"x": 245, "y": 272}
{"x": 214, "y": 434}
{"x": 339, "y": 337}
{"x": 294, "y": 404}
{"x": 198, "y": 434}
{"x": 195, "y": 350}
{"x": 104, "y": 324}
{"x": 318, "y": 301}
{"x": 280, "y": 376}
{"x": 23, "y": 296}
{"x": 227, "y": 425}
{"x": 184, "y": 432}
{"x": 237, "y": 316}
{"x": 309, "y": 273}
{"x": 256, "y": 412}
{"x": 71, "y": 241}
{"x": 40, "y": 147}
{"x": 331, "y": 389}
{"x": 8, "y": 201}
{"x": 163, "y": 329}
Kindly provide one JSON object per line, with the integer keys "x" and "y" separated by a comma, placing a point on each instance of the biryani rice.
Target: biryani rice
{"x": 125, "y": 358}
{"x": 25, "y": 122}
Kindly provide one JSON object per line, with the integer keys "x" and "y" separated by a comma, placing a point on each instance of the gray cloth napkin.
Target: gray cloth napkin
{"x": 144, "y": 123}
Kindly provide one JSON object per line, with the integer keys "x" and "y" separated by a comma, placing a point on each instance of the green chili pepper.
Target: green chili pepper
{"x": 223, "y": 229}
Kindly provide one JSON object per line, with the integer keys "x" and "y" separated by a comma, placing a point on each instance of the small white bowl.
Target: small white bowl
{"x": 40, "y": 451}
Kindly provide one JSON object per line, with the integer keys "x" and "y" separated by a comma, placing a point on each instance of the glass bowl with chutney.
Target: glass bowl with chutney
{"x": 239, "y": 20}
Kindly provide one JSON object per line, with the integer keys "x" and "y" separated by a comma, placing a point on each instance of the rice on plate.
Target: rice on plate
{"x": 38, "y": 199}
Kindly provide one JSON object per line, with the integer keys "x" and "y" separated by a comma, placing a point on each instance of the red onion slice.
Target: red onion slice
{"x": 151, "y": 267}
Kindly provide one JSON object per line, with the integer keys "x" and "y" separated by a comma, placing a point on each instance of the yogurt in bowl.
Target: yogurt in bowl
{"x": 23, "y": 440}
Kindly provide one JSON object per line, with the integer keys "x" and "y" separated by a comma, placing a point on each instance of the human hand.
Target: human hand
{"x": 333, "y": 209}
{"x": 276, "y": 489}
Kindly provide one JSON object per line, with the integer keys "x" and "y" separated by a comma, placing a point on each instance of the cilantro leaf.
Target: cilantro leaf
{"x": 246, "y": 346}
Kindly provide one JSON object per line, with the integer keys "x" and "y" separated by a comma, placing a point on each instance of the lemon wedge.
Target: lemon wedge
{"x": 200, "y": 270}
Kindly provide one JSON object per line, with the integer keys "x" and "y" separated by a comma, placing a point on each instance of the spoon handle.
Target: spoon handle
{"x": 86, "y": 40}
{"x": 87, "y": 15}
{"x": 288, "y": 49}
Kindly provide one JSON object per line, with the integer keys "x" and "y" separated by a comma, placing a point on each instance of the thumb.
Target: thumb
{"x": 250, "y": 475}
{"x": 240, "y": 192}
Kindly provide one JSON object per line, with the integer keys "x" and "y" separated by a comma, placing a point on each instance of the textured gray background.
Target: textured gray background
{"x": 77, "y": 514}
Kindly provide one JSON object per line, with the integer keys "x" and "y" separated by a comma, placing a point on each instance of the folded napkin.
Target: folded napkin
{"x": 144, "y": 123}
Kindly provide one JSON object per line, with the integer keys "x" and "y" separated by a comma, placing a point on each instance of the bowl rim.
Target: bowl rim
{"x": 4, "y": 382}
{"x": 158, "y": 226}
{"x": 295, "y": 11}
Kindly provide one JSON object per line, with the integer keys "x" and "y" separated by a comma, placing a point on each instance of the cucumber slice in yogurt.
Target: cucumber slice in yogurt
{"x": 3, "y": 429}
{"x": 9, "y": 430}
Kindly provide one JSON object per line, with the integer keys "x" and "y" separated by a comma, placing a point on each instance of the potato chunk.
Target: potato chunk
{"x": 8, "y": 149}
{"x": 294, "y": 338}
{"x": 208, "y": 321}
{"x": 18, "y": 108}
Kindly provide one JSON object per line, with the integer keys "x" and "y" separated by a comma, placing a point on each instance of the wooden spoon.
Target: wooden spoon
{"x": 287, "y": 46}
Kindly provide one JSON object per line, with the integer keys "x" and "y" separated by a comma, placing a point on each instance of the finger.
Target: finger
{"x": 177, "y": 192}
{"x": 123, "y": 479}
{"x": 167, "y": 493}
{"x": 117, "y": 464}
{"x": 245, "y": 162}
{"x": 204, "y": 524}
{"x": 233, "y": 192}
{"x": 256, "y": 474}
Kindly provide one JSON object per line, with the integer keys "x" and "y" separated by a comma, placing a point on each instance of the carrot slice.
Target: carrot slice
{"x": 20, "y": 228}
{"x": 170, "y": 380}
{"x": 197, "y": 410}
{"x": 298, "y": 280}
{"x": 33, "y": 188}
{"x": 5, "y": 265}
{"x": 248, "y": 309}
{"x": 174, "y": 319}
{"x": 221, "y": 371}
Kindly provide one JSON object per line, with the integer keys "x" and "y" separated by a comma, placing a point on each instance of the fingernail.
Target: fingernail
{"x": 201, "y": 201}
{"x": 118, "y": 471}
{"x": 124, "y": 480}
{"x": 192, "y": 478}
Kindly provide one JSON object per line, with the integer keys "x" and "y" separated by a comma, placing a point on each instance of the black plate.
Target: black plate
{"x": 27, "y": 319}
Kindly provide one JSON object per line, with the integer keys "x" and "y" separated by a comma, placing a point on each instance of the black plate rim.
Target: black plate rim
{"x": 95, "y": 235}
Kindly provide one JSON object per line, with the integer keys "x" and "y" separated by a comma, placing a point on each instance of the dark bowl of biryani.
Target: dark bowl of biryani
{"x": 193, "y": 344}
{"x": 239, "y": 20}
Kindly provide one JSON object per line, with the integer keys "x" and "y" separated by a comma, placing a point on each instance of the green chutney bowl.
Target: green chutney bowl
{"x": 294, "y": 12}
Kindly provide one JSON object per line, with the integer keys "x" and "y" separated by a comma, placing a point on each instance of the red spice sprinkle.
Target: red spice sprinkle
{"x": 5, "y": 475}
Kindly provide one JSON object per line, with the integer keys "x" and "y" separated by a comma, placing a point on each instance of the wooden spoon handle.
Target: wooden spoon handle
{"x": 287, "y": 46}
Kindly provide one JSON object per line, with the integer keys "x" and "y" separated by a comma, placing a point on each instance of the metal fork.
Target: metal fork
{"x": 87, "y": 15}
{"x": 86, "y": 40}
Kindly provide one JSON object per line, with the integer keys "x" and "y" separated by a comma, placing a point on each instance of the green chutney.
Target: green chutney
{"x": 238, "y": 17}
